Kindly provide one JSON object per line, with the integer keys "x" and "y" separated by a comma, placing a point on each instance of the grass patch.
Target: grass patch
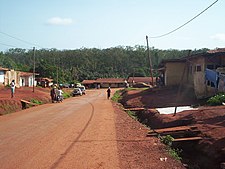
{"x": 168, "y": 140}
{"x": 132, "y": 114}
{"x": 117, "y": 96}
{"x": 66, "y": 95}
{"x": 36, "y": 101}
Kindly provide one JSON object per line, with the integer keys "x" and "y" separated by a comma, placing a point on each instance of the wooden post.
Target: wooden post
{"x": 34, "y": 68}
{"x": 150, "y": 61}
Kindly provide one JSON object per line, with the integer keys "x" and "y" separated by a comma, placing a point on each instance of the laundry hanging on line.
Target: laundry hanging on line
{"x": 212, "y": 76}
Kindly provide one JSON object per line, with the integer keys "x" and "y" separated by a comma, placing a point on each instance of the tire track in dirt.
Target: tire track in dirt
{"x": 55, "y": 165}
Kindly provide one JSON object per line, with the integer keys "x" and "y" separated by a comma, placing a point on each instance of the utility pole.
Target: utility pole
{"x": 33, "y": 67}
{"x": 150, "y": 61}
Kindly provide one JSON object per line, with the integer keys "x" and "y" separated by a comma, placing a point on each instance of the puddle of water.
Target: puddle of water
{"x": 170, "y": 110}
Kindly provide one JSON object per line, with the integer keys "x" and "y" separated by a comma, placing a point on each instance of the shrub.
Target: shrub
{"x": 36, "y": 101}
{"x": 66, "y": 95}
{"x": 117, "y": 96}
{"x": 216, "y": 100}
{"x": 132, "y": 114}
{"x": 167, "y": 140}
{"x": 175, "y": 153}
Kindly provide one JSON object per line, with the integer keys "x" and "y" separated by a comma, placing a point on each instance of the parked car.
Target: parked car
{"x": 83, "y": 90}
{"x": 66, "y": 85}
{"x": 76, "y": 92}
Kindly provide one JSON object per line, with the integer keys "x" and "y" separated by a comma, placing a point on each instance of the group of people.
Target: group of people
{"x": 56, "y": 94}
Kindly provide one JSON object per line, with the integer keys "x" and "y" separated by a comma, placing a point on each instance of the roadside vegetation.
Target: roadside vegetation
{"x": 71, "y": 66}
{"x": 36, "y": 101}
{"x": 216, "y": 100}
{"x": 117, "y": 96}
{"x": 168, "y": 140}
{"x": 132, "y": 114}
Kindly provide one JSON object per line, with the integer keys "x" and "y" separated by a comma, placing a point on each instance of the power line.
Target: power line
{"x": 24, "y": 41}
{"x": 7, "y": 45}
{"x": 185, "y": 23}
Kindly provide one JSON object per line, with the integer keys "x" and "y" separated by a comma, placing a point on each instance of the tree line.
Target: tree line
{"x": 69, "y": 66}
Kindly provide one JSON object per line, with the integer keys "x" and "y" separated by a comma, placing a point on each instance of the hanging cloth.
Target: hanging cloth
{"x": 212, "y": 76}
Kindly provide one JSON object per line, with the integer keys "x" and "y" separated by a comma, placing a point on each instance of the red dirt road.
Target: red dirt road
{"x": 78, "y": 132}
{"x": 82, "y": 133}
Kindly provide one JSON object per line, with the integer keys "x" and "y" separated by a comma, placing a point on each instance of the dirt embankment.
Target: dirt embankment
{"x": 9, "y": 105}
{"x": 210, "y": 121}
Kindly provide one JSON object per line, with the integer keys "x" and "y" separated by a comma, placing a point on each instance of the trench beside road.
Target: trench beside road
{"x": 78, "y": 133}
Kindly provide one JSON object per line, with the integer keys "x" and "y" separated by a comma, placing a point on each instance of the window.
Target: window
{"x": 198, "y": 68}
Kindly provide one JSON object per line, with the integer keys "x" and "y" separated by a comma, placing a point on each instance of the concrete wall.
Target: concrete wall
{"x": 12, "y": 75}
{"x": 174, "y": 72}
{"x": 27, "y": 81}
{"x": 2, "y": 77}
{"x": 202, "y": 90}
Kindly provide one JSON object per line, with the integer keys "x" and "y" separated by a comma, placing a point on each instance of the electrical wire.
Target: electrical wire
{"x": 7, "y": 45}
{"x": 184, "y": 23}
{"x": 24, "y": 41}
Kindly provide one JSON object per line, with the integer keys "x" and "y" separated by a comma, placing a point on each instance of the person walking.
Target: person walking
{"x": 53, "y": 94}
{"x": 108, "y": 92}
{"x": 59, "y": 94}
{"x": 13, "y": 86}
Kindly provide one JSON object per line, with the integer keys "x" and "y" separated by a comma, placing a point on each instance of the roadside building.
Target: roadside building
{"x": 89, "y": 84}
{"x": 3, "y": 75}
{"x": 44, "y": 82}
{"x": 20, "y": 78}
{"x": 12, "y": 75}
{"x": 26, "y": 79}
{"x": 202, "y": 72}
{"x": 171, "y": 71}
{"x": 110, "y": 82}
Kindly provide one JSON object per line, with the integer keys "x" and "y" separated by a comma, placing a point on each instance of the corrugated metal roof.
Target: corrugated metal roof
{"x": 88, "y": 81}
{"x": 217, "y": 50}
{"x": 4, "y": 69}
{"x": 25, "y": 74}
{"x": 110, "y": 80}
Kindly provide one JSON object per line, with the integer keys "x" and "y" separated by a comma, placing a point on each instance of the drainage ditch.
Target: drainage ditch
{"x": 196, "y": 153}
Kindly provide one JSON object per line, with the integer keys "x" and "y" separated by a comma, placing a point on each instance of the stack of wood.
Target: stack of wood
{"x": 180, "y": 133}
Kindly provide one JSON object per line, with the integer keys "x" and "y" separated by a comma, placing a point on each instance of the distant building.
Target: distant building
{"x": 88, "y": 84}
{"x": 44, "y": 82}
{"x": 27, "y": 79}
{"x": 21, "y": 78}
{"x": 3, "y": 75}
{"x": 104, "y": 83}
{"x": 110, "y": 82}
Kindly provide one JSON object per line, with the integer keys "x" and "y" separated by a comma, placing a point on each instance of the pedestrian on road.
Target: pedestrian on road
{"x": 108, "y": 92}
{"x": 13, "y": 86}
{"x": 59, "y": 95}
{"x": 53, "y": 94}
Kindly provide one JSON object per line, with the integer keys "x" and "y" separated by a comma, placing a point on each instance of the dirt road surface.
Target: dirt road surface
{"x": 78, "y": 132}
{"x": 85, "y": 132}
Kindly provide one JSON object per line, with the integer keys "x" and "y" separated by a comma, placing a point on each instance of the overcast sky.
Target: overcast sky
{"x": 74, "y": 24}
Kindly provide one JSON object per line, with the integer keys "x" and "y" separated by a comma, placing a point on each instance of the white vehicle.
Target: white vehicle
{"x": 83, "y": 90}
{"x": 77, "y": 92}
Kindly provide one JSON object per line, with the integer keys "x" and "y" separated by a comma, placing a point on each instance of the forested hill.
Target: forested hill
{"x": 85, "y": 63}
